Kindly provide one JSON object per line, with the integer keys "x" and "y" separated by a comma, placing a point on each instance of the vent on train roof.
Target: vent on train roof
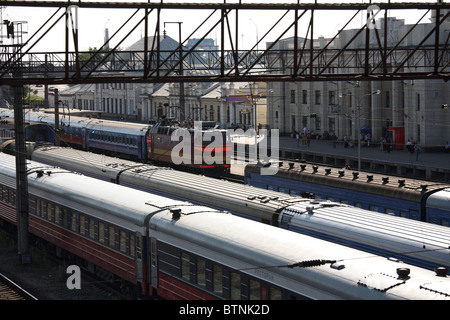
{"x": 176, "y": 213}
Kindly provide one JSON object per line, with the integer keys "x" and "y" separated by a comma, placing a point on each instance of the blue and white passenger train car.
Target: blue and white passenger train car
{"x": 409, "y": 198}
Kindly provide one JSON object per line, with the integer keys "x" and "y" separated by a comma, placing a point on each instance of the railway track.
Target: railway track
{"x": 9, "y": 290}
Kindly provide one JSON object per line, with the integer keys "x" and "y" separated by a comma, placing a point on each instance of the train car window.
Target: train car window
{"x": 101, "y": 232}
{"x": 445, "y": 223}
{"x": 73, "y": 222}
{"x": 132, "y": 245}
{"x": 274, "y": 294}
{"x": 57, "y": 214}
{"x": 111, "y": 237}
{"x": 201, "y": 272}
{"x": 358, "y": 204}
{"x": 92, "y": 228}
{"x": 6, "y": 194}
{"x": 433, "y": 220}
{"x": 414, "y": 215}
{"x": 235, "y": 288}
{"x": 50, "y": 212}
{"x": 12, "y": 196}
{"x": 292, "y": 192}
{"x": 65, "y": 218}
{"x": 217, "y": 279}
{"x": 82, "y": 220}
{"x": 185, "y": 266}
{"x": 281, "y": 189}
{"x": 123, "y": 241}
{"x": 390, "y": 212}
{"x": 43, "y": 209}
{"x": 38, "y": 207}
{"x": 255, "y": 289}
{"x": 270, "y": 187}
{"x": 403, "y": 214}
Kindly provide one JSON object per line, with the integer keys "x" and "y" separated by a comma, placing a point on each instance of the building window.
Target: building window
{"x": 304, "y": 96}
{"x": 387, "y": 102}
{"x": 317, "y": 123}
{"x": 331, "y": 97}
{"x": 317, "y": 97}
{"x": 292, "y": 96}
{"x": 331, "y": 125}
{"x": 418, "y": 101}
{"x": 350, "y": 100}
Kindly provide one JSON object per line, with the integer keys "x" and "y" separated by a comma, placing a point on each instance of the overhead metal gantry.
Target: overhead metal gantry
{"x": 366, "y": 55}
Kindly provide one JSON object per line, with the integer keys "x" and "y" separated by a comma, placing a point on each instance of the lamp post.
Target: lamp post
{"x": 359, "y": 124}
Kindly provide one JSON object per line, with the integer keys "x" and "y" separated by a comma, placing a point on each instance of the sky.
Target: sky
{"x": 253, "y": 25}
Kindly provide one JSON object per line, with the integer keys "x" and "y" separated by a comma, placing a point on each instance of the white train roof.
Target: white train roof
{"x": 440, "y": 200}
{"x": 392, "y": 233}
{"x": 127, "y": 207}
{"x": 81, "y": 122}
{"x": 195, "y": 187}
{"x": 266, "y": 252}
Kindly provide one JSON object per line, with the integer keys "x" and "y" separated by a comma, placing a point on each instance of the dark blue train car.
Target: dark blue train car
{"x": 118, "y": 138}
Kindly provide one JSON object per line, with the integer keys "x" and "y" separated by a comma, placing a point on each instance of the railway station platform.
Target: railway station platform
{"x": 433, "y": 166}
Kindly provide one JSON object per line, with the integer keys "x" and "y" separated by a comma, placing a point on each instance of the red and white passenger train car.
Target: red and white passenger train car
{"x": 179, "y": 250}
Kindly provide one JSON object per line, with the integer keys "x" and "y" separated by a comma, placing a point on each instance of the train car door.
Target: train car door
{"x": 153, "y": 276}
{"x": 142, "y": 147}
{"x": 84, "y": 137}
{"x": 141, "y": 271}
{"x": 149, "y": 144}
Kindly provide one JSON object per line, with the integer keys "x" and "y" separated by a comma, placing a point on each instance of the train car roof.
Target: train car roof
{"x": 439, "y": 200}
{"x": 398, "y": 187}
{"x": 77, "y": 121}
{"x": 126, "y": 206}
{"x": 266, "y": 252}
{"x": 326, "y": 216}
{"x": 187, "y": 185}
{"x": 118, "y": 126}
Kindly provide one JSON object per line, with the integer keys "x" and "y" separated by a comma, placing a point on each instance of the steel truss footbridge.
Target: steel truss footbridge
{"x": 367, "y": 53}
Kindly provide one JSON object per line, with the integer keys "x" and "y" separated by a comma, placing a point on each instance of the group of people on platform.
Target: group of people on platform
{"x": 304, "y": 136}
{"x": 412, "y": 146}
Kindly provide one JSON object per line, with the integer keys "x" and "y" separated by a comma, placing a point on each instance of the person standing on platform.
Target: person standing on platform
{"x": 417, "y": 150}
